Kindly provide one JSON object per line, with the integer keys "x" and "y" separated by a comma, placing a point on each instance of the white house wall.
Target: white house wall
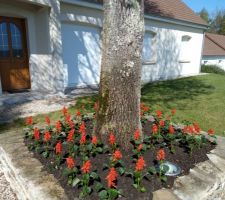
{"x": 214, "y": 60}
{"x": 82, "y": 60}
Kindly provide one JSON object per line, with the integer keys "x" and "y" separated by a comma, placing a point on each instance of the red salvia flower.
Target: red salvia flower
{"x": 117, "y": 155}
{"x": 58, "y": 126}
{"x": 137, "y": 135}
{"x": 173, "y": 111}
{"x": 29, "y": 120}
{"x": 78, "y": 113}
{"x": 36, "y": 134}
{"x": 58, "y": 148}
{"x": 86, "y": 167}
{"x": 70, "y": 135}
{"x": 191, "y": 130}
{"x": 211, "y": 131}
{"x": 160, "y": 155}
{"x": 71, "y": 124}
{"x": 64, "y": 110}
{"x": 82, "y": 128}
{"x": 47, "y": 136}
{"x": 67, "y": 118}
{"x": 161, "y": 123}
{"x": 158, "y": 113}
{"x": 112, "y": 139}
{"x": 70, "y": 162}
{"x": 140, "y": 146}
{"x": 171, "y": 129}
{"x": 83, "y": 138}
{"x": 196, "y": 127}
{"x": 154, "y": 129}
{"x": 140, "y": 164}
{"x": 96, "y": 106}
{"x": 111, "y": 178}
{"x": 94, "y": 140}
{"x": 47, "y": 120}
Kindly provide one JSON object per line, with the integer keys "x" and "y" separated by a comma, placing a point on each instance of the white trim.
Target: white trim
{"x": 156, "y": 18}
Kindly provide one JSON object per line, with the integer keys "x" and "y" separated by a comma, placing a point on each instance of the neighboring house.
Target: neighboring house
{"x": 55, "y": 45}
{"x": 214, "y": 50}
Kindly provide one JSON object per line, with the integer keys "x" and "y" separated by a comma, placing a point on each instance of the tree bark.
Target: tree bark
{"x": 120, "y": 80}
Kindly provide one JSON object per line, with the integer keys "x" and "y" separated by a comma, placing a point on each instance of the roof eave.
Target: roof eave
{"x": 147, "y": 16}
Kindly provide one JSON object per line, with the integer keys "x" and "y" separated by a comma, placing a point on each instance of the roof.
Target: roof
{"x": 214, "y": 45}
{"x": 173, "y": 9}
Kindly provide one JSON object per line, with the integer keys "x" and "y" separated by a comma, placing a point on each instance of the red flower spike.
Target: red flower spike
{"x": 86, "y": 167}
{"x": 36, "y": 134}
{"x": 161, "y": 123}
{"x": 111, "y": 178}
{"x": 83, "y": 138}
{"x": 29, "y": 120}
{"x": 47, "y": 120}
{"x": 47, "y": 136}
{"x": 211, "y": 132}
{"x": 64, "y": 110}
{"x": 173, "y": 111}
{"x": 171, "y": 129}
{"x": 140, "y": 164}
{"x": 70, "y": 163}
{"x": 94, "y": 140}
{"x": 82, "y": 128}
{"x": 154, "y": 129}
{"x": 58, "y": 126}
{"x": 140, "y": 146}
{"x": 117, "y": 155}
{"x": 78, "y": 113}
{"x": 196, "y": 127}
{"x": 112, "y": 139}
{"x": 67, "y": 118}
{"x": 70, "y": 135}
{"x": 58, "y": 148}
{"x": 158, "y": 113}
{"x": 160, "y": 155}
{"x": 96, "y": 106}
{"x": 137, "y": 135}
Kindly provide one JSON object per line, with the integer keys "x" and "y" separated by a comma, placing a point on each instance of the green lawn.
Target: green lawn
{"x": 200, "y": 99}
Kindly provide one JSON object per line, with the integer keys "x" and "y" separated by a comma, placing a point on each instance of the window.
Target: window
{"x": 16, "y": 41}
{"x": 4, "y": 44}
{"x": 185, "y": 48}
{"x": 148, "y": 52}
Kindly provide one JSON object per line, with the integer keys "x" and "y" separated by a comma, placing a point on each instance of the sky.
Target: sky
{"x": 210, "y": 5}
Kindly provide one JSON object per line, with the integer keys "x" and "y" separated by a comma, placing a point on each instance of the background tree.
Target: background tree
{"x": 204, "y": 15}
{"x": 216, "y": 21}
{"x": 120, "y": 80}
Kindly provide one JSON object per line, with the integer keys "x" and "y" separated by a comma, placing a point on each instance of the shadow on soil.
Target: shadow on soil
{"x": 169, "y": 91}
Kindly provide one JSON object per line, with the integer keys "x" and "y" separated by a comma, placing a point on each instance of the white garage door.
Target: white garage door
{"x": 81, "y": 54}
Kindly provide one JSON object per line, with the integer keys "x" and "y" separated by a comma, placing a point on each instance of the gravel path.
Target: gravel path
{"x": 6, "y": 192}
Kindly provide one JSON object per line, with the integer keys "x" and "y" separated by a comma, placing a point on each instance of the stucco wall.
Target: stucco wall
{"x": 166, "y": 63}
{"x": 214, "y": 60}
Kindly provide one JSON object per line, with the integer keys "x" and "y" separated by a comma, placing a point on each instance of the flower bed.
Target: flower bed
{"x": 86, "y": 167}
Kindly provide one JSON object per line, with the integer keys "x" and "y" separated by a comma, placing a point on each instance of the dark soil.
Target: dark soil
{"x": 180, "y": 157}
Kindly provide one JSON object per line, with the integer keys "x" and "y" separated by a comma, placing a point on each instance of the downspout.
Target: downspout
{"x": 203, "y": 42}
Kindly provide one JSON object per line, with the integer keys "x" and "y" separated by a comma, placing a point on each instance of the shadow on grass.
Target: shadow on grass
{"x": 167, "y": 92}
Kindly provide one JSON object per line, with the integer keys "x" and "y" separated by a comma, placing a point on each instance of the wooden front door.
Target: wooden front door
{"x": 14, "y": 66}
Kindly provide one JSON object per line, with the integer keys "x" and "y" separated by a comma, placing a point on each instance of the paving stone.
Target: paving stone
{"x": 164, "y": 194}
{"x": 217, "y": 161}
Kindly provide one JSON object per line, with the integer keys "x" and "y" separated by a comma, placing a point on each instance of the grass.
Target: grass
{"x": 200, "y": 99}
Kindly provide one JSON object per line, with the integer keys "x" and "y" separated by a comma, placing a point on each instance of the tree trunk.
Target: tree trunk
{"x": 120, "y": 81}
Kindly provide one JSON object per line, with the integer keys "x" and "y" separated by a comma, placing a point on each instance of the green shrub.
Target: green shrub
{"x": 212, "y": 69}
